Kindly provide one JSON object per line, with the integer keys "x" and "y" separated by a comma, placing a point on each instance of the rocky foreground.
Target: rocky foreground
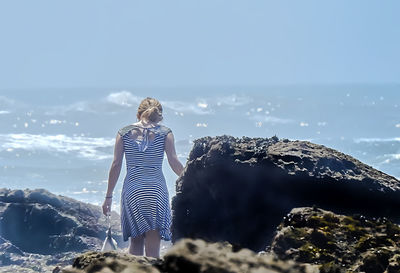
{"x": 242, "y": 205}
{"x": 309, "y": 239}
{"x": 189, "y": 255}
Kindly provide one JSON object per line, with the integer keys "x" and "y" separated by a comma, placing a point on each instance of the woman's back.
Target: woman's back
{"x": 144, "y": 147}
{"x": 144, "y": 196}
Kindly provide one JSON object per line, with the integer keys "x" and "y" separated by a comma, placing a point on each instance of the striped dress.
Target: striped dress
{"x": 144, "y": 197}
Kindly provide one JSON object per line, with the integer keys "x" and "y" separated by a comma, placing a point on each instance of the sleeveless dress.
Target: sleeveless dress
{"x": 144, "y": 196}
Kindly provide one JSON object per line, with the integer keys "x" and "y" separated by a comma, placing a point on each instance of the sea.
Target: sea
{"x": 62, "y": 139}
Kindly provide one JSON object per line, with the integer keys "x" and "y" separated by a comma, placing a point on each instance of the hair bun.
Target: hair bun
{"x": 150, "y": 109}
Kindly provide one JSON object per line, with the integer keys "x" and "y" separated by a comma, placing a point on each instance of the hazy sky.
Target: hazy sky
{"x": 98, "y": 43}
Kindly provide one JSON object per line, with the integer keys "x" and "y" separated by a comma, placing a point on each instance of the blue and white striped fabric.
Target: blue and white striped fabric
{"x": 144, "y": 197}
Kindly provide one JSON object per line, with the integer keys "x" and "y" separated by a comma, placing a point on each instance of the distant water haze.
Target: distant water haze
{"x": 62, "y": 139}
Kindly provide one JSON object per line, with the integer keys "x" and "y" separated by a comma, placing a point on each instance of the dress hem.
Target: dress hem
{"x": 162, "y": 234}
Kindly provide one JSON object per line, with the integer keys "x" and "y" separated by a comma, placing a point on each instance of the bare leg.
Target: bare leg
{"x": 152, "y": 243}
{"x": 136, "y": 245}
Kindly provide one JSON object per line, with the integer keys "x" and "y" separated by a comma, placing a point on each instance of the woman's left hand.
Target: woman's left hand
{"x": 107, "y": 206}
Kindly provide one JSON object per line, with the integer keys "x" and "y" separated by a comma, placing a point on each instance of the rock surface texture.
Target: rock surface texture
{"x": 338, "y": 243}
{"x": 189, "y": 256}
{"x": 309, "y": 239}
{"x": 38, "y": 228}
{"x": 239, "y": 189}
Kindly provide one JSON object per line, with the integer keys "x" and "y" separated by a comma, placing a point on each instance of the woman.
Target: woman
{"x": 145, "y": 209}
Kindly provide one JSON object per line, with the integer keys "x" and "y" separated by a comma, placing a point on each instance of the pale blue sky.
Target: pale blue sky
{"x": 98, "y": 43}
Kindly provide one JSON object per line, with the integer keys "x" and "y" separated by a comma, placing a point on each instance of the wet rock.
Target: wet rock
{"x": 37, "y": 221}
{"x": 85, "y": 260}
{"x": 187, "y": 255}
{"x": 7, "y": 247}
{"x": 239, "y": 189}
{"x": 11, "y": 262}
{"x": 112, "y": 261}
{"x": 199, "y": 256}
{"x": 338, "y": 243}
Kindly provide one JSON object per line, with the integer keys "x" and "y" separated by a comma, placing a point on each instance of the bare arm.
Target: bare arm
{"x": 116, "y": 165}
{"x": 173, "y": 160}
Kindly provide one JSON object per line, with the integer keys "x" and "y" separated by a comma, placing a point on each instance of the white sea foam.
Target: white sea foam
{"x": 202, "y": 104}
{"x": 372, "y": 140}
{"x": 303, "y": 124}
{"x": 388, "y": 158}
{"x": 205, "y": 105}
{"x": 55, "y": 121}
{"x": 109, "y": 104}
{"x": 199, "y": 124}
{"x": 234, "y": 100}
{"x": 270, "y": 119}
{"x": 124, "y": 98}
{"x": 186, "y": 107}
{"x": 395, "y": 156}
{"x": 127, "y": 99}
{"x": 4, "y": 112}
{"x": 85, "y": 147}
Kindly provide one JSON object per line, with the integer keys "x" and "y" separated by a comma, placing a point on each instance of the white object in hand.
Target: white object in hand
{"x": 109, "y": 242}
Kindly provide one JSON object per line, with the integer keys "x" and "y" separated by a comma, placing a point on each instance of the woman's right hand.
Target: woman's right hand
{"x": 107, "y": 206}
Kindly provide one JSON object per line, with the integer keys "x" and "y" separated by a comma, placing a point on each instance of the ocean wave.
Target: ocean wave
{"x": 5, "y": 102}
{"x": 123, "y": 98}
{"x": 84, "y": 147}
{"x": 270, "y": 119}
{"x": 109, "y": 104}
{"x": 391, "y": 157}
{"x": 396, "y": 156}
{"x": 388, "y": 159}
{"x": 202, "y": 106}
{"x": 127, "y": 99}
{"x": 4, "y": 112}
{"x": 233, "y": 100}
{"x": 120, "y": 101}
{"x": 199, "y": 108}
{"x": 372, "y": 140}
{"x": 206, "y": 105}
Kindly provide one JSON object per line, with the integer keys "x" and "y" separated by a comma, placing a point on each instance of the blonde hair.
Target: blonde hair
{"x": 150, "y": 109}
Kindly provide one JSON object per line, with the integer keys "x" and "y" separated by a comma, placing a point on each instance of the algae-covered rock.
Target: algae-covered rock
{"x": 189, "y": 256}
{"x": 198, "y": 256}
{"x": 239, "y": 189}
{"x": 112, "y": 261}
{"x": 86, "y": 259}
{"x": 338, "y": 243}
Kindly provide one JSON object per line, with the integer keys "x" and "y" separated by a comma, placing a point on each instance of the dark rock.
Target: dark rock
{"x": 199, "y": 256}
{"x": 394, "y": 264}
{"x": 42, "y": 196}
{"x": 38, "y": 221}
{"x": 114, "y": 261}
{"x": 239, "y": 189}
{"x": 7, "y": 247}
{"x": 31, "y": 263}
{"x": 338, "y": 243}
{"x": 188, "y": 256}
